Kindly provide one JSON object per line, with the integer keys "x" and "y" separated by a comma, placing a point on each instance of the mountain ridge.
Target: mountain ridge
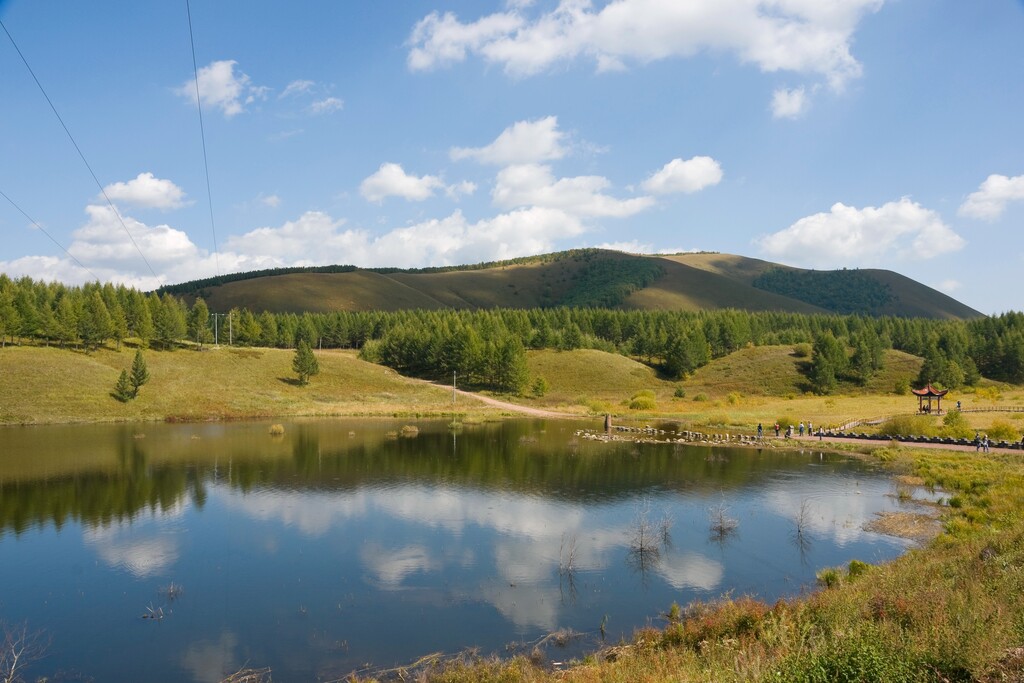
{"x": 584, "y": 278}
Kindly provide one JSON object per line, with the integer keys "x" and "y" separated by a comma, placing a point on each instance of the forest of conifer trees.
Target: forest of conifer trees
{"x": 488, "y": 347}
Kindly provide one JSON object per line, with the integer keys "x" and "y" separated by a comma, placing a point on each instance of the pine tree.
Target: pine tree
{"x": 123, "y": 388}
{"x": 305, "y": 363}
{"x": 199, "y": 323}
{"x": 140, "y": 374}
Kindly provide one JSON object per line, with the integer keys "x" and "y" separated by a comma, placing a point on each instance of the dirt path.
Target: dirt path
{"x": 515, "y": 407}
{"x": 909, "y": 444}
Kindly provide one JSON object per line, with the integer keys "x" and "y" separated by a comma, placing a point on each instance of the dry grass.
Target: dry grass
{"x": 916, "y": 526}
{"x": 48, "y": 385}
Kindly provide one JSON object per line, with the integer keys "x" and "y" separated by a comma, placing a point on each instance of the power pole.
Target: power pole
{"x": 216, "y": 336}
{"x": 453, "y": 387}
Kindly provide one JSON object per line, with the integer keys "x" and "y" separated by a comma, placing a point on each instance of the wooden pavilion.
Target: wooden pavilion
{"x": 927, "y": 394}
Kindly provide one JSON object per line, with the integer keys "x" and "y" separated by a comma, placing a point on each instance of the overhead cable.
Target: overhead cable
{"x": 103, "y": 192}
{"x": 202, "y": 134}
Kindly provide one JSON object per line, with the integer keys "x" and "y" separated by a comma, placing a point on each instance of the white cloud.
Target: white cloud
{"x": 790, "y": 104}
{"x": 848, "y": 236}
{"x": 687, "y": 176}
{"x": 220, "y": 87}
{"x": 391, "y": 180}
{"x": 802, "y": 36}
{"x": 534, "y": 185}
{"x": 327, "y": 105}
{"x": 271, "y": 200}
{"x": 297, "y": 87}
{"x": 148, "y": 191}
{"x": 990, "y": 200}
{"x": 523, "y": 142}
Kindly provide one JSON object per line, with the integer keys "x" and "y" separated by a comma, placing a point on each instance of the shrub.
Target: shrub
{"x": 857, "y": 568}
{"x": 679, "y": 392}
{"x": 540, "y": 387}
{"x": 902, "y": 387}
{"x": 734, "y": 397}
{"x": 916, "y": 425}
{"x": 785, "y": 422}
{"x": 830, "y": 577}
{"x": 802, "y": 350}
{"x": 644, "y": 393}
{"x": 701, "y": 397}
{"x": 955, "y": 425}
{"x": 1001, "y": 430}
{"x": 642, "y": 403}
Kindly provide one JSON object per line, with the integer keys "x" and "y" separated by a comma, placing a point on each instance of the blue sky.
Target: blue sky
{"x": 847, "y": 133}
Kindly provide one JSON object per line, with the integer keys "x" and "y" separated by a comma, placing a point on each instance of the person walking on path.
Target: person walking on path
{"x": 760, "y": 431}
{"x": 801, "y": 429}
{"x": 977, "y": 441}
{"x": 776, "y": 430}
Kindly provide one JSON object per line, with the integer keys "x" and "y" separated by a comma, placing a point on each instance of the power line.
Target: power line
{"x": 202, "y": 134}
{"x": 33, "y": 222}
{"x": 78, "y": 149}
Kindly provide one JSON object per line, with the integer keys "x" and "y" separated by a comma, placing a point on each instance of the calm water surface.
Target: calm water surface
{"x": 339, "y": 546}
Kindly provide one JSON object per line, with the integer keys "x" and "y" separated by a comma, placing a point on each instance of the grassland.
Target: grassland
{"x": 754, "y": 385}
{"x": 49, "y": 385}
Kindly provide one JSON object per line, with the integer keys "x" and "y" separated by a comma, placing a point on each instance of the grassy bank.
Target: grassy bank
{"x": 952, "y": 611}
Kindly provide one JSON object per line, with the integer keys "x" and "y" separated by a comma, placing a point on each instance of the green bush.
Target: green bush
{"x": 902, "y": 387}
{"x": 830, "y": 577}
{"x": 540, "y": 387}
{"x": 802, "y": 350}
{"x": 642, "y": 403}
{"x": 644, "y": 393}
{"x": 856, "y": 568}
{"x": 734, "y": 397}
{"x": 701, "y": 397}
{"x": 908, "y": 425}
{"x": 955, "y": 425}
{"x": 679, "y": 392}
{"x": 1001, "y": 430}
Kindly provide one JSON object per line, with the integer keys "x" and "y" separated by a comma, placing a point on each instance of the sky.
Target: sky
{"x": 815, "y": 133}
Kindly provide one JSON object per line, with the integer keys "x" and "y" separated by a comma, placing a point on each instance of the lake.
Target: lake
{"x": 181, "y": 552}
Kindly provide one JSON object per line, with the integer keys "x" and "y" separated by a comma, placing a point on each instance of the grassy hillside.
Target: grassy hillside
{"x": 44, "y": 385}
{"x": 585, "y": 277}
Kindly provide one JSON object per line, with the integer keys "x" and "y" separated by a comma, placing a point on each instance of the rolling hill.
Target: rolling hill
{"x": 583, "y": 277}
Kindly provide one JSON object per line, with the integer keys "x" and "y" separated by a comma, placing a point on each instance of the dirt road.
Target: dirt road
{"x": 516, "y": 408}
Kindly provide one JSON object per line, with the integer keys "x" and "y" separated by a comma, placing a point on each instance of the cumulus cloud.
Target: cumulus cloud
{"x": 148, "y": 191}
{"x": 521, "y": 143}
{"x": 534, "y": 185}
{"x": 391, "y": 180}
{"x": 789, "y": 104}
{"x": 848, "y": 236}
{"x": 687, "y": 176}
{"x": 990, "y": 200}
{"x": 802, "y": 36}
{"x": 221, "y": 87}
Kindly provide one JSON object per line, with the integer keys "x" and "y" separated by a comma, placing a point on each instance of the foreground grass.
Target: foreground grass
{"x": 952, "y": 611}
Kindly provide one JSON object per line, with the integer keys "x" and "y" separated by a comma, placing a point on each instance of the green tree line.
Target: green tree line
{"x": 488, "y": 347}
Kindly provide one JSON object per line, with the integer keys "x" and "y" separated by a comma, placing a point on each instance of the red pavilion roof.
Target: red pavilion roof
{"x": 929, "y": 390}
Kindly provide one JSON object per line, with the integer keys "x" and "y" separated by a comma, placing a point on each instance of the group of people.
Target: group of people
{"x": 981, "y": 442}
{"x": 789, "y": 430}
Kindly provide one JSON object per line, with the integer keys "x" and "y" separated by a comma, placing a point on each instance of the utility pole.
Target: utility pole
{"x": 453, "y": 387}
{"x": 216, "y": 336}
